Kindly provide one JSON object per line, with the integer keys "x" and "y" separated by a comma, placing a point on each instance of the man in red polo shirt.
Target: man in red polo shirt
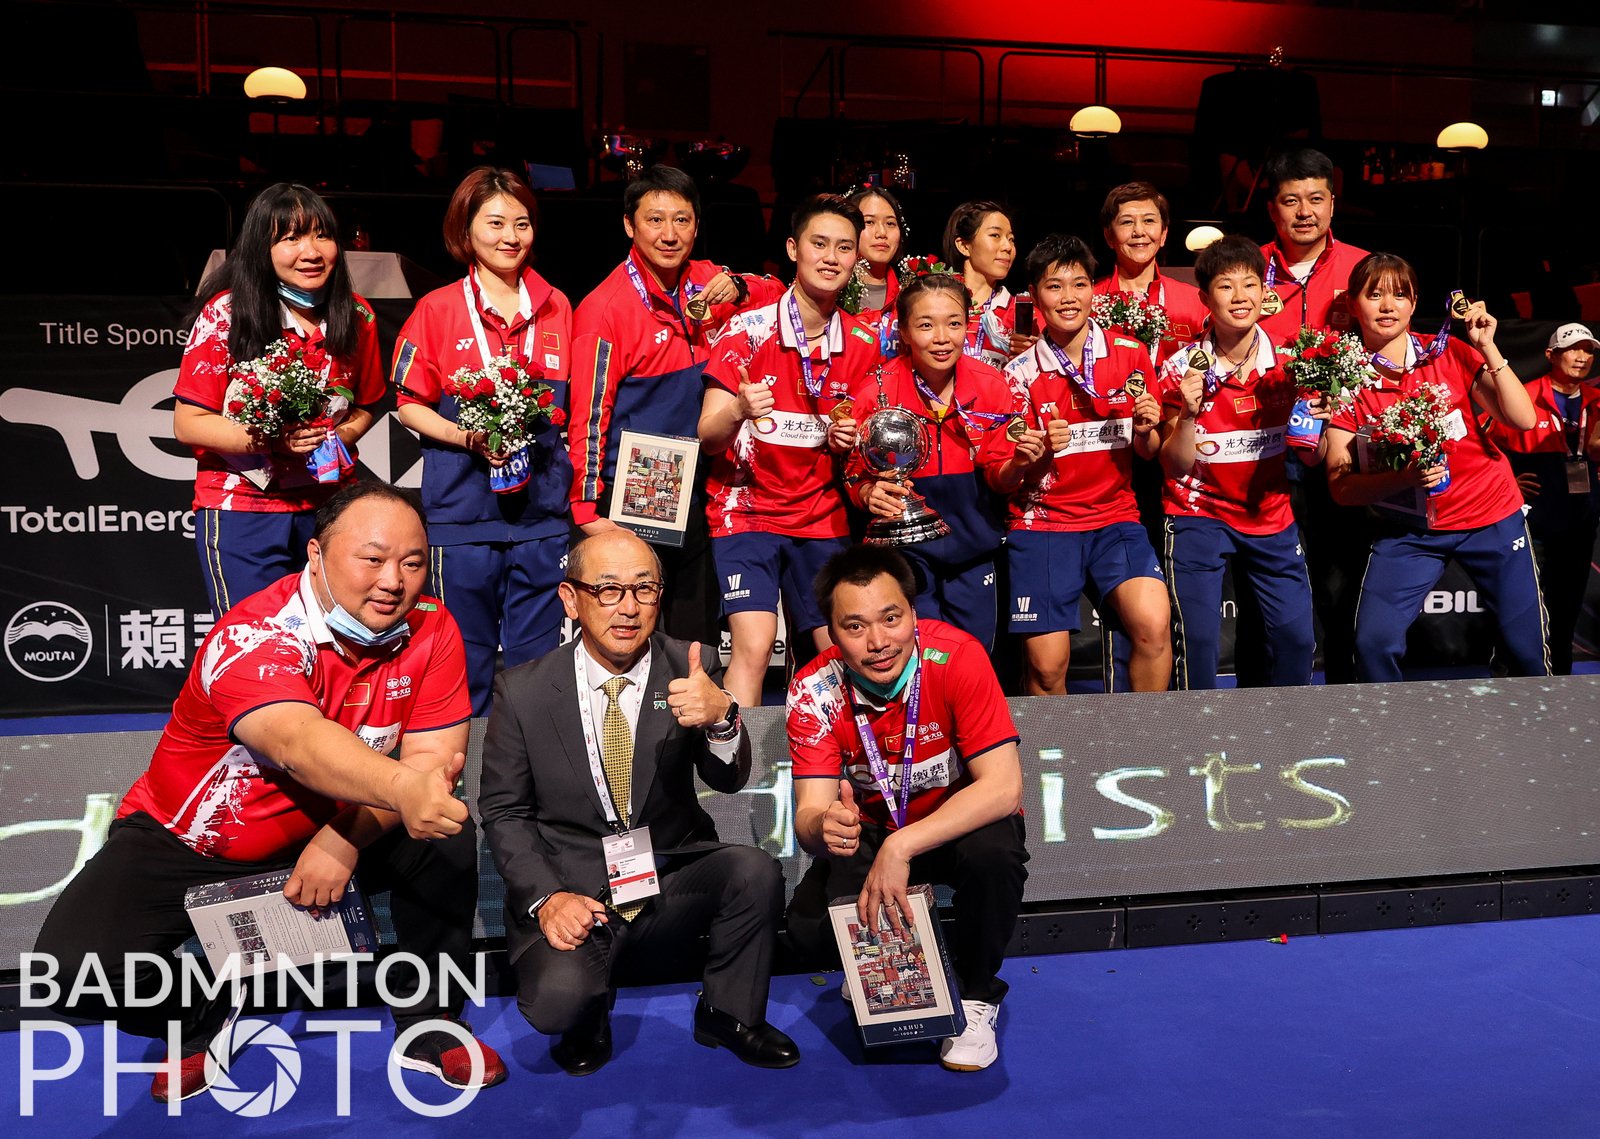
{"x": 278, "y": 755}
{"x": 906, "y": 771}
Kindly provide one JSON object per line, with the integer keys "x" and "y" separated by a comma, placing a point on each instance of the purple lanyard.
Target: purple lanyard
{"x": 1213, "y": 379}
{"x": 1424, "y": 355}
{"x": 976, "y": 350}
{"x": 976, "y": 422}
{"x": 813, "y": 381}
{"x": 687, "y": 288}
{"x": 1084, "y": 379}
{"x": 869, "y": 743}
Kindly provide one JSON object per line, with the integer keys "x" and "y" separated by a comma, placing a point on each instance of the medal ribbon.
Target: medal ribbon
{"x": 976, "y": 348}
{"x": 1303, "y": 282}
{"x": 975, "y": 422}
{"x": 1424, "y": 355}
{"x": 1084, "y": 379}
{"x": 869, "y": 743}
{"x": 688, "y": 289}
{"x": 813, "y": 381}
{"x": 1213, "y": 378}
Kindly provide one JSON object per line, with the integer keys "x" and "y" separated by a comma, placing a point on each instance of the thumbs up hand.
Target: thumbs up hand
{"x": 841, "y": 822}
{"x": 695, "y": 700}
{"x": 426, "y": 800}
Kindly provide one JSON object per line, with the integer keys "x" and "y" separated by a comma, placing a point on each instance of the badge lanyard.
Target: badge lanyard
{"x": 976, "y": 422}
{"x": 478, "y": 331}
{"x": 591, "y": 743}
{"x": 869, "y": 743}
{"x": 1574, "y": 444}
{"x": 1424, "y": 355}
{"x": 1213, "y": 378}
{"x": 977, "y": 346}
{"x": 813, "y": 381}
{"x": 1304, "y": 282}
{"x": 1084, "y": 379}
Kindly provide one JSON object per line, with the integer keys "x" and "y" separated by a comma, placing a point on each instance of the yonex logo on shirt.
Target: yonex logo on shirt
{"x": 663, "y": 336}
{"x": 464, "y": 343}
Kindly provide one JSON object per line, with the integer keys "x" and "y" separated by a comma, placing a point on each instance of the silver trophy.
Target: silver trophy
{"x": 893, "y": 443}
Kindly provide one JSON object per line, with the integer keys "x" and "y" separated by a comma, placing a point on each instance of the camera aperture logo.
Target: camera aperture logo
{"x": 48, "y": 641}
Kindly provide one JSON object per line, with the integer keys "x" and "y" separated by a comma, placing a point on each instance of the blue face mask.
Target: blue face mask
{"x": 339, "y": 619}
{"x": 886, "y": 692}
{"x": 302, "y": 298}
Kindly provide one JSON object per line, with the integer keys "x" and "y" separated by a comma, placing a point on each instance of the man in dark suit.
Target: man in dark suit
{"x": 590, "y": 757}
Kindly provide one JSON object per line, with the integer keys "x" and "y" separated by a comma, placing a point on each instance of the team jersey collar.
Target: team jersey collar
{"x": 1096, "y": 344}
{"x": 647, "y": 276}
{"x": 292, "y": 326}
{"x": 1281, "y": 258}
{"x": 317, "y": 623}
{"x": 832, "y": 342}
{"x": 1000, "y": 298}
{"x": 525, "y": 304}
{"x": 1266, "y": 357}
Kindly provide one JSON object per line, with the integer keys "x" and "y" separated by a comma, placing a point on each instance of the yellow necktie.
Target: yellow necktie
{"x": 616, "y": 757}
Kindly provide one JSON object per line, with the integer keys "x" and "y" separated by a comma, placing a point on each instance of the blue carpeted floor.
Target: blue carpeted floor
{"x": 1490, "y": 1030}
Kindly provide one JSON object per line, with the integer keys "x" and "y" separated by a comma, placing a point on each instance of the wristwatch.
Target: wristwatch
{"x": 727, "y": 727}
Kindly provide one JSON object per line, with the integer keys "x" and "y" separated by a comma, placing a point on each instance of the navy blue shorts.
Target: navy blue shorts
{"x": 1049, "y": 569}
{"x": 753, "y": 568}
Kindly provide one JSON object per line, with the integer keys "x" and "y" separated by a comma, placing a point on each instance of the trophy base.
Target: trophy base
{"x": 919, "y": 522}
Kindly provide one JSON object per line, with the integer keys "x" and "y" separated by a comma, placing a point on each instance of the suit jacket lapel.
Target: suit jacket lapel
{"x": 569, "y": 728}
{"x": 654, "y": 724}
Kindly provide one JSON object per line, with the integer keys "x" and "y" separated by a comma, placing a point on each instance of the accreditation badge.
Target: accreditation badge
{"x": 630, "y": 866}
{"x": 1577, "y": 474}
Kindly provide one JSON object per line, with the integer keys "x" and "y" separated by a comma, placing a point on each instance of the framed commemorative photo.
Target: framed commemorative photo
{"x": 902, "y": 986}
{"x": 654, "y": 483}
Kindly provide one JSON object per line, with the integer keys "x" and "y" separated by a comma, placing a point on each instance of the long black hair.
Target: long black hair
{"x": 284, "y": 209}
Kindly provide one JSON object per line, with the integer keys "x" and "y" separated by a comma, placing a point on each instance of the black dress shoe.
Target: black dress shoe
{"x": 757, "y": 1044}
{"x": 584, "y": 1050}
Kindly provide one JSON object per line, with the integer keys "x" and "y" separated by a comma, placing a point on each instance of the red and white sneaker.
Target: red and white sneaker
{"x": 192, "y": 1079}
{"x": 442, "y": 1054}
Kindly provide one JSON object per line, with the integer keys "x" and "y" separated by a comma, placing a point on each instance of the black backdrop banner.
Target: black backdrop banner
{"x": 102, "y": 605}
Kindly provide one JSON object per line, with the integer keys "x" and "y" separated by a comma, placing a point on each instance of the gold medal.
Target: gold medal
{"x": 1458, "y": 304}
{"x": 842, "y": 411}
{"x": 1199, "y": 360}
{"x": 698, "y": 307}
{"x": 1136, "y": 386}
{"x": 1016, "y": 429}
{"x": 1271, "y": 303}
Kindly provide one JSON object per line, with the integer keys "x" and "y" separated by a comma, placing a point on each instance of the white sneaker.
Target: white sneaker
{"x": 976, "y": 1048}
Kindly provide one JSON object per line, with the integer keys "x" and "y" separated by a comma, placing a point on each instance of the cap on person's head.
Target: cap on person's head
{"x": 1570, "y": 336}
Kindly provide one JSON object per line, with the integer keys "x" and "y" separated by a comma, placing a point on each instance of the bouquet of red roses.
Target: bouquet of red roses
{"x": 1133, "y": 313}
{"x": 912, "y": 267}
{"x": 280, "y": 389}
{"x": 284, "y": 388}
{"x": 1323, "y": 364}
{"x": 1413, "y": 429}
{"x": 509, "y": 405}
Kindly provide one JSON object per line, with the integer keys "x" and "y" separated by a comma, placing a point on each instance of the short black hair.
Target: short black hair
{"x": 819, "y": 204}
{"x": 1058, "y": 249}
{"x": 661, "y": 180}
{"x": 1297, "y": 165}
{"x": 1233, "y": 252}
{"x": 329, "y": 513}
{"x": 861, "y": 564}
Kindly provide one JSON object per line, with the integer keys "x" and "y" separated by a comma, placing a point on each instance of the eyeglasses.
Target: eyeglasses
{"x": 611, "y": 592}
